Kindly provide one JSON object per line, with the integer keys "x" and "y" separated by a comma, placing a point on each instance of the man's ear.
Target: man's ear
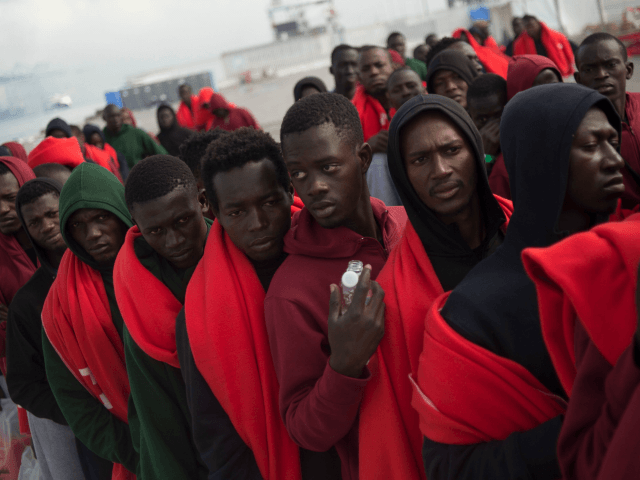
{"x": 629, "y": 67}
{"x": 203, "y": 201}
{"x": 365, "y": 155}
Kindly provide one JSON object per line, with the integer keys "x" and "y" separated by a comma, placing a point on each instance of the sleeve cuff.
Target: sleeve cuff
{"x": 340, "y": 389}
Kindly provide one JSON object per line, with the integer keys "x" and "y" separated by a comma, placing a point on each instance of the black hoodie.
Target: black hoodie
{"x": 171, "y": 138}
{"x": 26, "y": 375}
{"x": 448, "y": 252}
{"x": 496, "y": 306}
{"x": 454, "y": 61}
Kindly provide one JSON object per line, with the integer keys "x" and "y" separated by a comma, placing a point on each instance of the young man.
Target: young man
{"x": 438, "y": 167}
{"x": 344, "y": 68}
{"x": 487, "y": 97}
{"x": 237, "y": 425}
{"x": 53, "y": 440}
{"x": 171, "y": 134}
{"x": 54, "y": 171}
{"x": 450, "y": 43}
{"x": 150, "y": 278}
{"x": 403, "y": 84}
{"x": 370, "y": 99}
{"x": 188, "y": 107}
{"x": 487, "y": 52}
{"x": 541, "y": 40}
{"x": 450, "y": 74}
{"x": 131, "y": 141}
{"x": 420, "y": 53}
{"x": 603, "y": 65}
{"x": 95, "y": 136}
{"x": 82, "y": 324}
{"x": 320, "y": 356}
{"x": 397, "y": 42}
{"x": 227, "y": 116}
{"x": 528, "y": 71}
{"x": 495, "y": 404}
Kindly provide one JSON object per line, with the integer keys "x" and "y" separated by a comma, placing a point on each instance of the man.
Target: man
{"x": 486, "y": 52}
{"x": 188, "y": 107}
{"x": 344, "y": 67}
{"x": 403, "y": 84}
{"x": 319, "y": 355}
{"x": 96, "y": 155}
{"x": 603, "y": 65}
{"x": 397, "y": 42}
{"x": 95, "y": 136}
{"x": 450, "y": 74}
{"x": 308, "y": 86}
{"x": 541, "y": 40}
{"x": 527, "y": 71}
{"x": 438, "y": 167}
{"x": 150, "y": 279}
{"x": 370, "y": 99}
{"x": 82, "y": 324}
{"x": 228, "y": 117}
{"x": 131, "y": 141}
{"x": 431, "y": 39}
{"x": 171, "y": 134}
{"x": 53, "y": 440}
{"x": 518, "y": 27}
{"x": 421, "y": 52}
{"x": 58, "y": 128}
{"x": 501, "y": 415}
{"x": 456, "y": 44}
{"x": 487, "y": 97}
{"x": 54, "y": 171}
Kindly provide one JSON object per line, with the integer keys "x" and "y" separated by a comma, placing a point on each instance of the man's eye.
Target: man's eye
{"x": 329, "y": 168}
{"x": 235, "y": 213}
{"x": 297, "y": 175}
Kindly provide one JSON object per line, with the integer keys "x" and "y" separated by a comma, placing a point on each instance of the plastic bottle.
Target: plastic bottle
{"x": 349, "y": 281}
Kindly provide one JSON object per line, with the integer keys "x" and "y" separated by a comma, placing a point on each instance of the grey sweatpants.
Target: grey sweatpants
{"x": 56, "y": 449}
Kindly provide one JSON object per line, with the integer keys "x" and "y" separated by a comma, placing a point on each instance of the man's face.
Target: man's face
{"x": 99, "y": 232}
{"x": 421, "y": 52}
{"x": 345, "y": 67}
{"x": 57, "y": 133}
{"x": 595, "y": 166}
{"x": 328, "y": 172}
{"x": 374, "y": 68}
{"x": 470, "y": 53}
{"x": 601, "y": 66}
{"x": 485, "y": 109}
{"x": 165, "y": 118}
{"x": 254, "y": 209}
{"x": 185, "y": 94}
{"x": 173, "y": 225}
{"x": 404, "y": 86}
{"x": 439, "y": 163}
{"x": 450, "y": 85}
{"x": 113, "y": 118}
{"x": 518, "y": 26}
{"x": 9, "y": 223}
{"x": 43, "y": 223}
{"x": 398, "y": 43}
{"x": 533, "y": 28}
{"x": 545, "y": 77}
{"x": 126, "y": 117}
{"x": 96, "y": 140}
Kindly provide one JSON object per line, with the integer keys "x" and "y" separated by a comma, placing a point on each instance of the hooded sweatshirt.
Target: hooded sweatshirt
{"x": 492, "y": 59}
{"x": 454, "y": 61}
{"x": 82, "y": 330}
{"x": 505, "y": 419}
{"x": 235, "y": 119}
{"x": 171, "y": 138}
{"x": 58, "y": 124}
{"x": 65, "y": 151}
{"x": 26, "y": 376}
{"x": 431, "y": 258}
{"x": 523, "y": 70}
{"x": 308, "y": 82}
{"x": 186, "y": 114}
{"x": 134, "y": 143}
{"x": 318, "y": 405}
{"x": 556, "y": 45}
{"x": 202, "y": 114}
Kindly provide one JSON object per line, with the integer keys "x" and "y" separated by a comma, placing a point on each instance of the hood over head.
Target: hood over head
{"x": 523, "y": 70}
{"x": 454, "y": 61}
{"x": 40, "y": 252}
{"x": 443, "y": 243}
{"x": 205, "y": 95}
{"x": 65, "y": 151}
{"x": 58, "y": 124}
{"x": 218, "y": 101}
{"x": 91, "y": 186}
{"x": 311, "y": 82}
{"x": 165, "y": 106}
{"x": 20, "y": 170}
{"x": 89, "y": 130}
{"x": 16, "y": 150}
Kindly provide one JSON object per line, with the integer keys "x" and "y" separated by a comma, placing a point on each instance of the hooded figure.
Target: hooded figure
{"x": 454, "y": 61}
{"x": 82, "y": 338}
{"x": 523, "y": 70}
{"x": 58, "y": 124}
{"x": 492, "y": 405}
{"x": 16, "y": 150}
{"x": 313, "y": 82}
{"x": 234, "y": 119}
{"x": 171, "y": 137}
{"x": 202, "y": 114}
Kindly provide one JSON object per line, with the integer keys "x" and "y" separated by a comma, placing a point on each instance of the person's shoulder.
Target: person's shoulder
{"x": 33, "y": 292}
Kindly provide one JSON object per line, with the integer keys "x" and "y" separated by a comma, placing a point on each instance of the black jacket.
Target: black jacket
{"x": 496, "y": 306}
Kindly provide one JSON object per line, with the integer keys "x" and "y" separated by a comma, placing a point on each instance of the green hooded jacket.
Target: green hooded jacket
{"x": 133, "y": 143}
{"x": 91, "y": 186}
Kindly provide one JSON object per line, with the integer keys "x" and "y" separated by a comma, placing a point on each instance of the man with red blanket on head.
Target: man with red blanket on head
{"x": 82, "y": 324}
{"x": 231, "y": 385}
{"x": 16, "y": 150}
{"x": 150, "y": 278}
{"x": 490, "y": 402}
{"x": 227, "y": 116}
{"x": 202, "y": 114}
{"x": 455, "y": 222}
{"x": 493, "y": 60}
{"x": 588, "y": 296}
{"x": 186, "y": 114}
{"x": 541, "y": 40}
{"x": 320, "y": 356}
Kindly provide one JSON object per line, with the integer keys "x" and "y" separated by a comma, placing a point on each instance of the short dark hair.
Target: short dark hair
{"x": 235, "y": 150}
{"x": 393, "y": 35}
{"x": 185, "y": 85}
{"x": 367, "y": 48}
{"x": 193, "y": 148}
{"x": 322, "y": 108}
{"x": 603, "y": 37}
{"x": 340, "y": 48}
{"x": 48, "y": 169}
{"x": 155, "y": 177}
{"x": 401, "y": 69}
{"x": 420, "y": 46}
{"x": 527, "y": 17}
{"x": 441, "y": 46}
{"x": 486, "y": 85}
{"x": 31, "y": 191}
{"x": 4, "y": 169}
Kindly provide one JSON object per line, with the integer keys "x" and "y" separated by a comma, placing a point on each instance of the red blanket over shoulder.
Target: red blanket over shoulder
{"x": 153, "y": 329}
{"x": 599, "y": 264}
{"x": 228, "y": 338}
{"x": 493, "y": 60}
{"x": 558, "y": 48}
{"x": 373, "y": 116}
{"x": 466, "y": 394}
{"x": 77, "y": 320}
{"x": 411, "y": 286}
{"x": 186, "y": 117}
{"x": 104, "y": 159}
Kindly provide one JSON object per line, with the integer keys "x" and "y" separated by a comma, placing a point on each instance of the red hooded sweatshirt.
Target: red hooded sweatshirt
{"x": 65, "y": 151}
{"x": 492, "y": 59}
{"x": 318, "y": 405}
{"x": 187, "y": 116}
{"x": 237, "y": 117}
{"x": 523, "y": 70}
{"x": 373, "y": 116}
{"x": 557, "y": 46}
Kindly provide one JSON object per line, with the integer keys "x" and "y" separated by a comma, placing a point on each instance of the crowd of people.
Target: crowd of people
{"x": 176, "y": 306}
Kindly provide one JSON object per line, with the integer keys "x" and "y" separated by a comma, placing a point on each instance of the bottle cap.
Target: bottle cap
{"x": 350, "y": 279}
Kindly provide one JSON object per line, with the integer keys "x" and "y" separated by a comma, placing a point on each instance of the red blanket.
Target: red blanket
{"x": 599, "y": 264}
{"x": 493, "y": 60}
{"x": 186, "y": 117}
{"x": 104, "y": 159}
{"x": 230, "y": 346}
{"x": 557, "y": 46}
{"x": 153, "y": 329}
{"x": 411, "y": 286}
{"x": 77, "y": 320}
{"x": 373, "y": 116}
{"x": 466, "y": 394}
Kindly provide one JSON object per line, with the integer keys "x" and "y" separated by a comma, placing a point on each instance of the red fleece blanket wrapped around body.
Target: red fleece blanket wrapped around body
{"x": 556, "y": 44}
{"x": 491, "y": 58}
